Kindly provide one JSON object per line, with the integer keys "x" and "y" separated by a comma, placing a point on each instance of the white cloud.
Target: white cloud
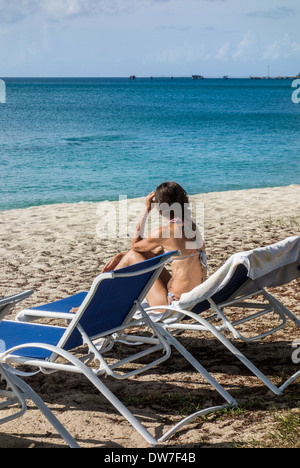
{"x": 183, "y": 54}
{"x": 12, "y": 11}
{"x": 16, "y": 10}
{"x": 62, "y": 8}
{"x": 244, "y": 48}
{"x": 282, "y": 48}
{"x": 274, "y": 14}
{"x": 223, "y": 52}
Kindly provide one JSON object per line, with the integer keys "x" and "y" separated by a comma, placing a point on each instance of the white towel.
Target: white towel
{"x": 268, "y": 266}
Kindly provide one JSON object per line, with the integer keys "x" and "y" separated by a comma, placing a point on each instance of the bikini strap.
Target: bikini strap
{"x": 177, "y": 221}
{"x": 201, "y": 254}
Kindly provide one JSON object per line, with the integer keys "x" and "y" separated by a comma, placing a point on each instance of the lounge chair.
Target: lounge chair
{"x": 16, "y": 391}
{"x": 104, "y": 313}
{"x": 240, "y": 283}
{"x": 10, "y": 393}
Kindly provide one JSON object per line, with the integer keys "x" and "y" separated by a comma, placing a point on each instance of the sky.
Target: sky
{"x": 106, "y": 38}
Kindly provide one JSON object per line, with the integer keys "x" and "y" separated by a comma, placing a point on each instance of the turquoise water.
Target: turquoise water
{"x": 72, "y": 140}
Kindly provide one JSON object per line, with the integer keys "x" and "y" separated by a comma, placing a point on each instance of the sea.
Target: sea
{"x": 72, "y": 140}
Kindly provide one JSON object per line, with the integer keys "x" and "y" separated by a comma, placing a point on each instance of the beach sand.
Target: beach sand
{"x": 58, "y": 250}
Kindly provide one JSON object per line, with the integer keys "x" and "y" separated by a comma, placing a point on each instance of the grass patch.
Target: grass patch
{"x": 287, "y": 430}
{"x": 181, "y": 404}
{"x": 187, "y": 404}
{"x": 285, "y": 433}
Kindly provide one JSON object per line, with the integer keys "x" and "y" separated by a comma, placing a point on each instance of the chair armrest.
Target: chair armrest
{"x": 29, "y": 315}
{"x": 8, "y": 303}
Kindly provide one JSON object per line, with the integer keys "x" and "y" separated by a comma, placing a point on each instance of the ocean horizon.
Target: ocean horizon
{"x": 70, "y": 140}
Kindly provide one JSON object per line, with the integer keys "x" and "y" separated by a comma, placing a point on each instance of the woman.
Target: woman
{"x": 180, "y": 233}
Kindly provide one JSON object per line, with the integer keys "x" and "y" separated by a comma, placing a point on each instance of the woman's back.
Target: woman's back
{"x": 188, "y": 270}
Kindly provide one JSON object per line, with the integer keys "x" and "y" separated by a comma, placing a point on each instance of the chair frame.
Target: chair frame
{"x": 204, "y": 324}
{"x": 268, "y": 305}
{"x": 9, "y": 302}
{"x": 11, "y": 393}
{"x": 161, "y": 340}
{"x": 17, "y": 391}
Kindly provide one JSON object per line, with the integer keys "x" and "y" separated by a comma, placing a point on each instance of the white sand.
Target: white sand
{"x": 56, "y": 250}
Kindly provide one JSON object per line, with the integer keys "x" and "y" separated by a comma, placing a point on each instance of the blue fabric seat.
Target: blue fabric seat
{"x": 103, "y": 308}
{"x": 14, "y": 333}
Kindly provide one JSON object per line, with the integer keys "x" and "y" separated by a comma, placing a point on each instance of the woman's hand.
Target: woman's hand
{"x": 158, "y": 250}
{"x": 150, "y": 201}
{"x": 113, "y": 262}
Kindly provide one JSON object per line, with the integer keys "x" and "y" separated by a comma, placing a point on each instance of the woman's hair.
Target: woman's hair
{"x": 172, "y": 199}
{"x": 173, "y": 202}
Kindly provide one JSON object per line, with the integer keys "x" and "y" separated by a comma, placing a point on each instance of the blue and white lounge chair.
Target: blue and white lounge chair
{"x": 104, "y": 313}
{"x": 11, "y": 394}
{"x": 16, "y": 391}
{"x": 240, "y": 283}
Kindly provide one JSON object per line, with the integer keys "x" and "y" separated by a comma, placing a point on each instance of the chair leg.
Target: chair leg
{"x": 204, "y": 325}
{"x": 12, "y": 395}
{"x": 280, "y": 308}
{"x": 231, "y": 402}
{"x": 79, "y": 367}
{"x": 198, "y": 414}
{"x": 27, "y": 393}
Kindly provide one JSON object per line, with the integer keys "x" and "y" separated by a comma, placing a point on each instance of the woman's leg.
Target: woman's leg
{"x": 158, "y": 294}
